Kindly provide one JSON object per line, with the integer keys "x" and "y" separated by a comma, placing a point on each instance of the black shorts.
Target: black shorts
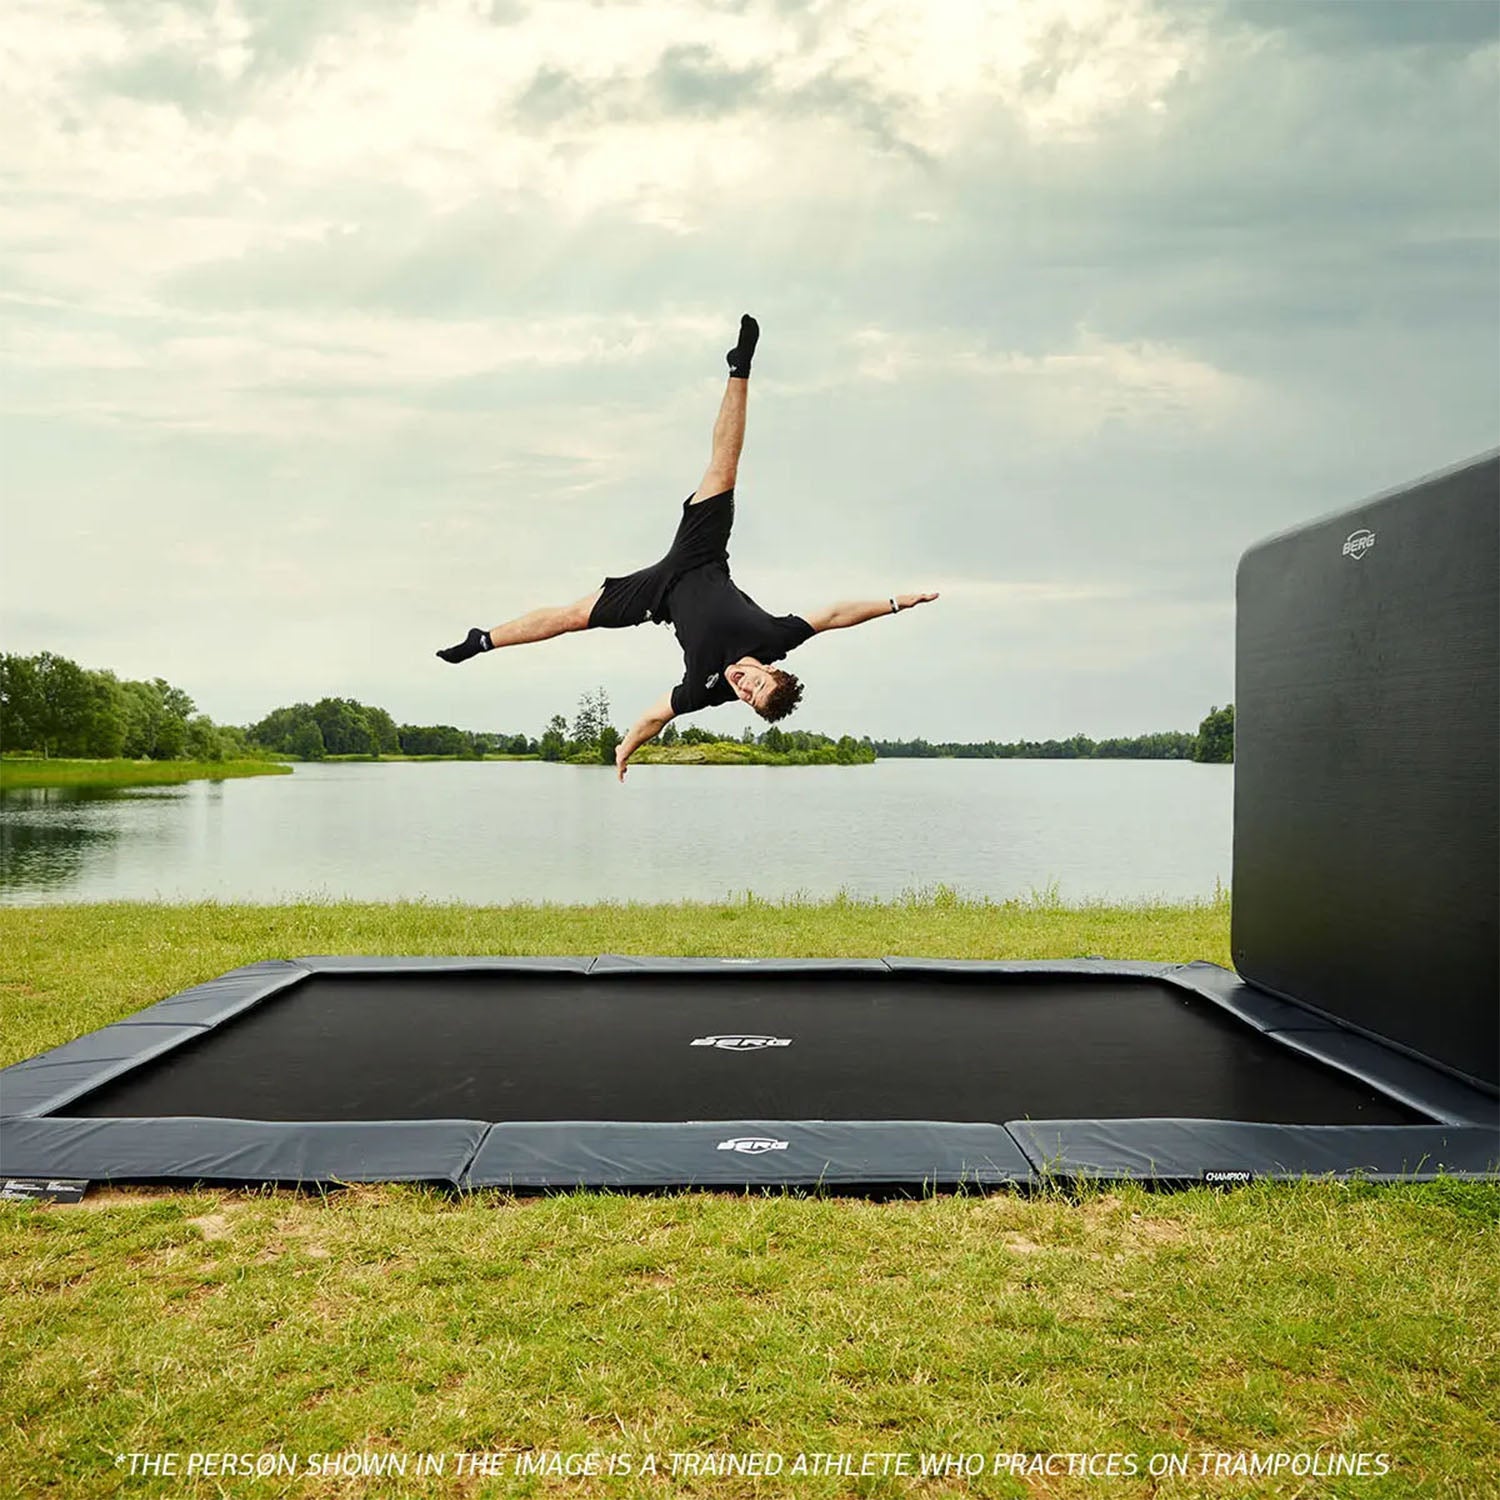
{"x": 702, "y": 537}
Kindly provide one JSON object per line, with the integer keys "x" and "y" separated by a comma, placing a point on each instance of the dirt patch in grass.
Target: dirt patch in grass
{"x": 213, "y": 1226}
{"x": 1018, "y": 1244}
{"x": 113, "y": 1197}
{"x": 1144, "y": 1231}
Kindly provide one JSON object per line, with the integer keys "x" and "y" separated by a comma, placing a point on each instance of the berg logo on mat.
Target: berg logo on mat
{"x": 1358, "y": 543}
{"x": 752, "y": 1145}
{"x": 741, "y": 1043}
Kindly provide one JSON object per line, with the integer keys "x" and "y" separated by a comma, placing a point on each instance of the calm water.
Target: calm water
{"x": 531, "y": 832}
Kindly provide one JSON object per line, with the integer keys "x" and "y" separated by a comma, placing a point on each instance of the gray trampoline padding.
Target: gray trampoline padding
{"x": 1173, "y": 1151}
{"x": 1431, "y": 1090}
{"x": 240, "y": 1151}
{"x": 48, "y": 1128}
{"x": 748, "y": 1154}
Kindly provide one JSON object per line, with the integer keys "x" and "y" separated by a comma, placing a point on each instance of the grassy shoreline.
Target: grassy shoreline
{"x": 27, "y": 772}
{"x": 716, "y": 753}
{"x": 17, "y": 772}
{"x": 1342, "y": 1318}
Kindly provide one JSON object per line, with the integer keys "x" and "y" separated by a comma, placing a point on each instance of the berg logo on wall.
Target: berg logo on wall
{"x": 741, "y": 1043}
{"x": 1358, "y": 543}
{"x": 752, "y": 1145}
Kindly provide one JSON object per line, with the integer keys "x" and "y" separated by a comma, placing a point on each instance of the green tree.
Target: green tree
{"x": 63, "y": 697}
{"x": 171, "y": 739}
{"x": 607, "y": 736}
{"x": 204, "y": 741}
{"x": 233, "y": 743}
{"x": 668, "y": 735}
{"x": 437, "y": 739}
{"x": 18, "y": 702}
{"x": 383, "y": 731}
{"x": 172, "y": 725}
{"x": 144, "y": 714}
{"x": 344, "y": 727}
{"x": 590, "y": 724}
{"x": 307, "y": 740}
{"x": 108, "y": 717}
{"x": 280, "y": 728}
{"x": 554, "y": 743}
{"x": 1216, "y": 736}
{"x": 585, "y": 723}
{"x": 174, "y": 700}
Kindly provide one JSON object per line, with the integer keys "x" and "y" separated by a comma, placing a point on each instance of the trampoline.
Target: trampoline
{"x": 1359, "y": 1032}
{"x": 874, "y": 1075}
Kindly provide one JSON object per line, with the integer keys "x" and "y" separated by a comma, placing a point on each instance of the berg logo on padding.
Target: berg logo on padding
{"x": 741, "y": 1043}
{"x": 752, "y": 1145}
{"x": 1358, "y": 543}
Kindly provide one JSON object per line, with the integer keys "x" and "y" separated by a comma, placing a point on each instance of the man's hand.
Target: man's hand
{"x": 647, "y": 727}
{"x": 856, "y": 612}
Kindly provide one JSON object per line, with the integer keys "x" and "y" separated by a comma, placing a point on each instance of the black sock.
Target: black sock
{"x": 740, "y": 356}
{"x": 472, "y": 644}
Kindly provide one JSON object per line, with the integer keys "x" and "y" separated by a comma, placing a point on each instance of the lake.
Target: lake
{"x": 528, "y": 831}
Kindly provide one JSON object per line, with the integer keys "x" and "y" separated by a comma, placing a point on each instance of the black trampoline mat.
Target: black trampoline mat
{"x": 527, "y": 1046}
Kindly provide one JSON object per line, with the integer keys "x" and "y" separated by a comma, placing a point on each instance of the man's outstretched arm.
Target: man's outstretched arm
{"x": 647, "y": 727}
{"x": 856, "y": 612}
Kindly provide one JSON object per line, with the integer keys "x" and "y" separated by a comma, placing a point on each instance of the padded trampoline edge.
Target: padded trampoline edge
{"x": 747, "y": 1154}
{"x": 185, "y": 1149}
{"x": 52, "y": 1079}
{"x": 1196, "y": 1151}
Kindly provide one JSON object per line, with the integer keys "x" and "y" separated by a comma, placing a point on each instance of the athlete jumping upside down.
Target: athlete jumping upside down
{"x": 728, "y": 641}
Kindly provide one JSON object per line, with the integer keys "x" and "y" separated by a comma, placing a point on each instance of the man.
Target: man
{"x": 728, "y": 641}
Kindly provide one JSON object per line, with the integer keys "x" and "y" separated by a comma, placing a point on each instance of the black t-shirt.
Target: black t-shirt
{"x": 716, "y": 624}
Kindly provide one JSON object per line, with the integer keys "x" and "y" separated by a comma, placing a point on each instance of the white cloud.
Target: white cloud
{"x": 384, "y": 314}
{"x": 1068, "y": 390}
{"x": 427, "y": 103}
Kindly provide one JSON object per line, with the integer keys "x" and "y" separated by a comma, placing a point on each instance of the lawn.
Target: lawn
{"x": 28, "y": 771}
{"x": 835, "y": 1345}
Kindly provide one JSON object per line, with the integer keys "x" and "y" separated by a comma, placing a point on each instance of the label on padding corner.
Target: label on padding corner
{"x": 43, "y": 1189}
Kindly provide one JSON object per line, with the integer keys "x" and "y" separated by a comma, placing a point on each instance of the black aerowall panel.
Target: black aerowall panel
{"x": 1367, "y": 749}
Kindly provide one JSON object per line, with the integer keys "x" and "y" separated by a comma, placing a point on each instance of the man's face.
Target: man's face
{"x": 755, "y": 686}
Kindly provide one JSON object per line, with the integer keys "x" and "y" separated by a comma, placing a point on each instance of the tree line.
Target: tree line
{"x": 52, "y": 706}
{"x": 1214, "y": 742}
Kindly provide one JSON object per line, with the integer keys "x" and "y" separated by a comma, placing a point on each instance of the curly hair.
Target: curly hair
{"x": 783, "y": 698}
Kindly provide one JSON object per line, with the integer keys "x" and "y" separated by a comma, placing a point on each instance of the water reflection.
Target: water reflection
{"x": 51, "y": 836}
{"x": 487, "y": 833}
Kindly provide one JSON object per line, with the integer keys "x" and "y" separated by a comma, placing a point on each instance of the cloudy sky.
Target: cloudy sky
{"x": 330, "y": 329}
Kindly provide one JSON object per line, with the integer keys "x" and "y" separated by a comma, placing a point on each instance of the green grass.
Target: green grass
{"x": 388, "y": 757}
{"x": 1347, "y": 1317}
{"x": 17, "y": 772}
{"x": 728, "y": 753}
